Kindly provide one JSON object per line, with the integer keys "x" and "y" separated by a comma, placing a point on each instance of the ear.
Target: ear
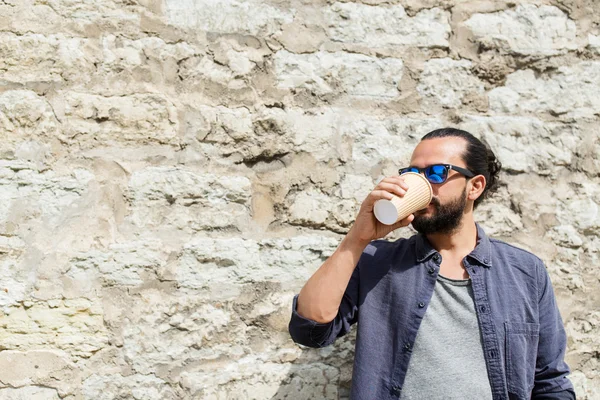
{"x": 476, "y": 187}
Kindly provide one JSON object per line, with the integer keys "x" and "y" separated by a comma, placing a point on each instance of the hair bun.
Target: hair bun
{"x": 494, "y": 167}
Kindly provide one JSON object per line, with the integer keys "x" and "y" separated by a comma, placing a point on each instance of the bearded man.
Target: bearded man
{"x": 448, "y": 313}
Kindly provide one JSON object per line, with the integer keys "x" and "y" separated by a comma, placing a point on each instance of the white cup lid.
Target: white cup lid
{"x": 385, "y": 212}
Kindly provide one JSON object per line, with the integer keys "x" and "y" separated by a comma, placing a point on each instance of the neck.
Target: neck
{"x": 461, "y": 241}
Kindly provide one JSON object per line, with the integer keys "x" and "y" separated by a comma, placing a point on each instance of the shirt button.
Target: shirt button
{"x": 421, "y": 305}
{"x": 396, "y": 390}
{"x": 407, "y": 347}
{"x": 431, "y": 271}
{"x": 437, "y": 258}
{"x": 482, "y": 309}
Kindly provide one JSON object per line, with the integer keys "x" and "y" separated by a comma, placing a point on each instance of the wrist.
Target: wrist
{"x": 353, "y": 241}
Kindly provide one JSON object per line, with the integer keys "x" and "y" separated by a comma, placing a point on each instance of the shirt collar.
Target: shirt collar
{"x": 482, "y": 251}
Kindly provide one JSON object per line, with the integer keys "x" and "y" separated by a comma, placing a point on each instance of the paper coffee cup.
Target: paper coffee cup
{"x": 417, "y": 197}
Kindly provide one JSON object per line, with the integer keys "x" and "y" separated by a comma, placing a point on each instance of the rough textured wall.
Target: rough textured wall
{"x": 173, "y": 171}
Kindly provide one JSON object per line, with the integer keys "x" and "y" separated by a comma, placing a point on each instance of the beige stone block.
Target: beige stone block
{"x": 27, "y": 17}
{"x": 355, "y": 74}
{"x": 74, "y": 328}
{"x": 196, "y": 200}
{"x": 253, "y": 17}
{"x": 264, "y": 381}
{"x": 526, "y": 144}
{"x": 24, "y": 114}
{"x": 387, "y": 25}
{"x": 136, "y": 386}
{"x": 310, "y": 207}
{"x": 92, "y": 119}
{"x": 528, "y": 29}
{"x": 448, "y": 83}
{"x": 121, "y": 264}
{"x": 29, "y": 393}
{"x": 569, "y": 92}
{"x": 162, "y": 333}
{"x": 35, "y": 58}
{"x": 50, "y": 368}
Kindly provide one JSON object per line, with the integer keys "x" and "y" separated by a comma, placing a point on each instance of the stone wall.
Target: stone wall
{"x": 172, "y": 172}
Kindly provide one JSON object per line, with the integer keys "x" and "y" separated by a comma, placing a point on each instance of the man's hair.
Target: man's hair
{"x": 479, "y": 157}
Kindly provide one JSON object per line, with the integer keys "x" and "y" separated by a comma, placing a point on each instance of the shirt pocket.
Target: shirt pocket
{"x": 521, "y": 353}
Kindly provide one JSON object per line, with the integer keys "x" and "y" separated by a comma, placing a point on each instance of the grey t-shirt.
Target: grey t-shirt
{"x": 447, "y": 360}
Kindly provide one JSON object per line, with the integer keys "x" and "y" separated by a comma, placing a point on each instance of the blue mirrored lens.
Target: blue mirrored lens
{"x": 411, "y": 169}
{"x": 436, "y": 173}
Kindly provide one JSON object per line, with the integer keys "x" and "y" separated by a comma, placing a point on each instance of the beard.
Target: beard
{"x": 445, "y": 219}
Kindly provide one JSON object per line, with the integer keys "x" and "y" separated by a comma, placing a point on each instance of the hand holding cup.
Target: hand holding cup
{"x": 417, "y": 197}
{"x": 366, "y": 227}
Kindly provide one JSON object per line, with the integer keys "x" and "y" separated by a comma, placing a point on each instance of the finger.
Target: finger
{"x": 378, "y": 194}
{"x": 392, "y": 188}
{"x": 399, "y": 180}
{"x": 396, "y": 180}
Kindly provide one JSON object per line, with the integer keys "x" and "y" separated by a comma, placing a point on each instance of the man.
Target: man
{"x": 448, "y": 313}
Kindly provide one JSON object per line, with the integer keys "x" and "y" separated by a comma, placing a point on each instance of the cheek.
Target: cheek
{"x": 440, "y": 193}
{"x": 446, "y": 193}
{"x": 437, "y": 190}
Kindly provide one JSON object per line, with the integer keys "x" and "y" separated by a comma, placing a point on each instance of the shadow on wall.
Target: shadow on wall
{"x": 320, "y": 373}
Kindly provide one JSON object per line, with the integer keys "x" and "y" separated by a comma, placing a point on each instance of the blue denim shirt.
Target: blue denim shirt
{"x": 523, "y": 336}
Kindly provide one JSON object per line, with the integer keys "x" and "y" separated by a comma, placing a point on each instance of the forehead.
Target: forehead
{"x": 439, "y": 150}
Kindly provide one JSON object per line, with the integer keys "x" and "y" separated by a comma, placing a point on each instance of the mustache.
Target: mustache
{"x": 435, "y": 202}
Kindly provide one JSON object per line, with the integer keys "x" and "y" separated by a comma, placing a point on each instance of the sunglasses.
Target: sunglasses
{"x": 437, "y": 173}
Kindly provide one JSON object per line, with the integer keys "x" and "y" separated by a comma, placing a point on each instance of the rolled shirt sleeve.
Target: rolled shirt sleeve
{"x": 551, "y": 370}
{"x": 310, "y": 333}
